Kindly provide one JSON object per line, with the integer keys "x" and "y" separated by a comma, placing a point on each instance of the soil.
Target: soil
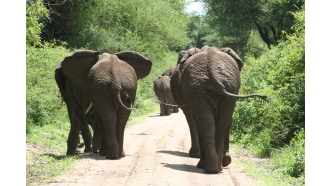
{"x": 156, "y": 154}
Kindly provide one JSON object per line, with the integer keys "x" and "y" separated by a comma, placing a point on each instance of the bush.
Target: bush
{"x": 291, "y": 159}
{"x": 42, "y": 95}
{"x": 278, "y": 73}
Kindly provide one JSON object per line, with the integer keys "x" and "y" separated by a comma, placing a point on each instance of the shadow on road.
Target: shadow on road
{"x": 184, "y": 167}
{"x": 176, "y": 153}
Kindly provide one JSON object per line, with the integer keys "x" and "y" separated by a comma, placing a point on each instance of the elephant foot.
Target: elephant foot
{"x": 213, "y": 170}
{"x": 226, "y": 160}
{"x": 95, "y": 151}
{"x": 194, "y": 153}
{"x": 123, "y": 154}
{"x": 210, "y": 169}
{"x": 175, "y": 110}
{"x": 80, "y": 145}
{"x": 71, "y": 151}
{"x": 112, "y": 157}
{"x": 201, "y": 164}
{"x": 88, "y": 148}
{"x": 102, "y": 152}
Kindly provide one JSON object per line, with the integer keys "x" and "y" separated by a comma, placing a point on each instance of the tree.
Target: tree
{"x": 234, "y": 20}
{"x": 197, "y": 31}
{"x": 35, "y": 12}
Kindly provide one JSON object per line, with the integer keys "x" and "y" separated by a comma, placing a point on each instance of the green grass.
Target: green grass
{"x": 266, "y": 170}
{"x": 47, "y": 158}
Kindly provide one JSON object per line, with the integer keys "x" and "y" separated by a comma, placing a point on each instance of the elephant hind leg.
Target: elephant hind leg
{"x": 206, "y": 128}
{"x": 224, "y": 121}
{"x": 87, "y": 137}
{"x": 226, "y": 156}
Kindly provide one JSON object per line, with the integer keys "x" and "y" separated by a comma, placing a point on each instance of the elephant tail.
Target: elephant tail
{"x": 263, "y": 97}
{"x": 127, "y": 99}
{"x": 160, "y": 102}
{"x": 120, "y": 101}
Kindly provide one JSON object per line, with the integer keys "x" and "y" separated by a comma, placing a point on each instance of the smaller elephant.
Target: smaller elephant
{"x": 100, "y": 90}
{"x": 163, "y": 92}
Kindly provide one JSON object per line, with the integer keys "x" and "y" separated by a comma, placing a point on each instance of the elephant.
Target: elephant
{"x": 100, "y": 89}
{"x": 205, "y": 86}
{"x": 163, "y": 92}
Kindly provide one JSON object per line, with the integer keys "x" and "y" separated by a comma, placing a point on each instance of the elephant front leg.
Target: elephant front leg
{"x": 87, "y": 137}
{"x": 73, "y": 137}
{"x": 72, "y": 141}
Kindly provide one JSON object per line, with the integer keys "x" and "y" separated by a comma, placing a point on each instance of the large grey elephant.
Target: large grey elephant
{"x": 100, "y": 90}
{"x": 162, "y": 89}
{"x": 205, "y": 86}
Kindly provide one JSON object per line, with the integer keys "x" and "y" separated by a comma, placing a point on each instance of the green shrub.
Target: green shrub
{"x": 278, "y": 73}
{"x": 291, "y": 159}
{"x": 42, "y": 95}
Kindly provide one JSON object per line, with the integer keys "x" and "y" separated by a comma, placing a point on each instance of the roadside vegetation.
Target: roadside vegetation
{"x": 274, "y": 64}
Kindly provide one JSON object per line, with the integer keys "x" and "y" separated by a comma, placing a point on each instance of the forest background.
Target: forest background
{"x": 283, "y": 53}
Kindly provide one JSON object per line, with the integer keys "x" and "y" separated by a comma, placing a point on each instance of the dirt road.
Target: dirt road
{"x": 156, "y": 154}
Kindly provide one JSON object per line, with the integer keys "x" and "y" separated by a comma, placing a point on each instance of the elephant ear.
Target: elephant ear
{"x": 141, "y": 64}
{"x": 233, "y": 54}
{"x": 77, "y": 66}
{"x": 185, "y": 54}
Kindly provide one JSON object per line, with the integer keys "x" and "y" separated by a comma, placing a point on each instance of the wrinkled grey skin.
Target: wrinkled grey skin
{"x": 109, "y": 82}
{"x": 162, "y": 89}
{"x": 209, "y": 81}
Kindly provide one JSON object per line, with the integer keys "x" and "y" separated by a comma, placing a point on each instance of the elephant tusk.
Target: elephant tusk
{"x": 89, "y": 108}
{"x": 61, "y": 103}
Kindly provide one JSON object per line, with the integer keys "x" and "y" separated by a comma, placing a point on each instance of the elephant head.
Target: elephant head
{"x": 109, "y": 82}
